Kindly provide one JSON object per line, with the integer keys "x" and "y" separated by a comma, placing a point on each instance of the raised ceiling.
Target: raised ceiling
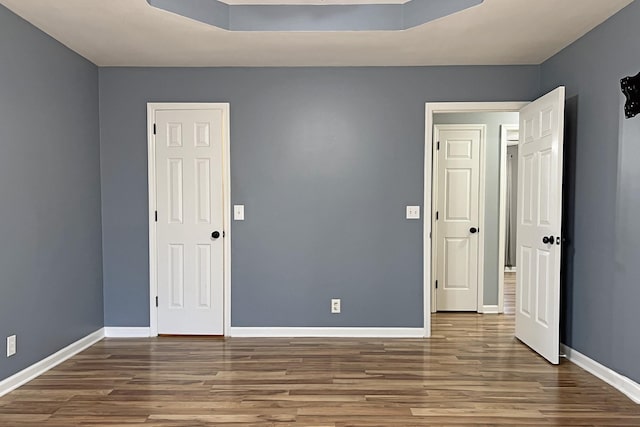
{"x": 133, "y": 33}
{"x": 309, "y": 18}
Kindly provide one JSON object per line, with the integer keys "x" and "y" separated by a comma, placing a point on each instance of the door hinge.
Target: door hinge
{"x": 156, "y": 216}
{"x": 223, "y": 234}
{"x": 436, "y": 284}
{"x": 437, "y": 215}
{"x": 154, "y": 128}
{"x": 156, "y": 301}
{"x": 430, "y": 234}
{"x": 438, "y": 146}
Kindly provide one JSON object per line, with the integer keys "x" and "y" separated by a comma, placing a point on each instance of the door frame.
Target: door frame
{"x": 505, "y": 142}
{"x": 432, "y": 108}
{"x": 481, "y": 208}
{"x": 152, "y": 107}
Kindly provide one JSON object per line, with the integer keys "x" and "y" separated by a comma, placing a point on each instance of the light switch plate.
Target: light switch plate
{"x": 413, "y": 212}
{"x": 238, "y": 212}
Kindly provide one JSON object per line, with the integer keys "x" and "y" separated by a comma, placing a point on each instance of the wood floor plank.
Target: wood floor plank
{"x": 471, "y": 372}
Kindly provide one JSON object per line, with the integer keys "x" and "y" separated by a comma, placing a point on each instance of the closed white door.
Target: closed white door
{"x": 457, "y": 216}
{"x": 189, "y": 228}
{"x": 539, "y": 224}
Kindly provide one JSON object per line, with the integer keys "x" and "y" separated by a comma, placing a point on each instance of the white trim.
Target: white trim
{"x": 481, "y": 201}
{"x": 151, "y": 190}
{"x": 510, "y": 269}
{"x": 327, "y": 332}
{"x": 13, "y": 382}
{"x": 427, "y": 226}
{"x": 152, "y": 107}
{"x": 430, "y": 109}
{"x": 227, "y": 213}
{"x": 624, "y": 384}
{"x": 481, "y": 218}
{"x": 491, "y": 309}
{"x": 504, "y": 143}
{"x": 127, "y": 332}
{"x": 433, "y": 207}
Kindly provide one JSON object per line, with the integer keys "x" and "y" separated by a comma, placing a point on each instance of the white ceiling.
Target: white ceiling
{"x": 132, "y": 33}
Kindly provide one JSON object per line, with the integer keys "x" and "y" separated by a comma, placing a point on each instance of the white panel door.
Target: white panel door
{"x": 539, "y": 224}
{"x": 457, "y": 216}
{"x": 189, "y": 198}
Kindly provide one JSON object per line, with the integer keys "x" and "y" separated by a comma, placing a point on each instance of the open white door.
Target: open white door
{"x": 539, "y": 224}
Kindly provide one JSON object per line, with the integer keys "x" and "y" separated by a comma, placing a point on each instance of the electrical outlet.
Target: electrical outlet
{"x": 335, "y": 305}
{"x": 11, "y": 345}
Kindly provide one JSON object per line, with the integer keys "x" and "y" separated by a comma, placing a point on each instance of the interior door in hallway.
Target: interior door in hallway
{"x": 458, "y": 215}
{"x": 539, "y": 224}
{"x": 189, "y": 227}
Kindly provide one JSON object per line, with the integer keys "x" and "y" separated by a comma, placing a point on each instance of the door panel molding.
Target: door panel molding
{"x": 152, "y": 109}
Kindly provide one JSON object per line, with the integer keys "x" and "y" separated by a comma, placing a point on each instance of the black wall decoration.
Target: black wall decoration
{"x": 631, "y": 89}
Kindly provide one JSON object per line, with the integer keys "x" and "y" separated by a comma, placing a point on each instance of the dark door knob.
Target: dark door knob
{"x": 473, "y": 230}
{"x": 215, "y": 234}
{"x": 548, "y": 240}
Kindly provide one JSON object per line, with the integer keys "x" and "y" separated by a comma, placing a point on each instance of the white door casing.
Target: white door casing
{"x": 540, "y": 157}
{"x": 190, "y": 205}
{"x": 458, "y": 220}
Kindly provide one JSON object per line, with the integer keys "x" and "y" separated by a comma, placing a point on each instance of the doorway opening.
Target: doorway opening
{"x": 539, "y": 219}
{"x": 459, "y": 113}
{"x": 468, "y": 203}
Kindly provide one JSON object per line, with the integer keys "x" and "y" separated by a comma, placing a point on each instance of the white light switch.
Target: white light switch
{"x": 413, "y": 212}
{"x": 238, "y": 212}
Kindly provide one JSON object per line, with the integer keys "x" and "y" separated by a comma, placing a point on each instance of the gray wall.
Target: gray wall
{"x": 50, "y": 256}
{"x": 492, "y": 189}
{"x": 602, "y": 290}
{"x": 325, "y": 161}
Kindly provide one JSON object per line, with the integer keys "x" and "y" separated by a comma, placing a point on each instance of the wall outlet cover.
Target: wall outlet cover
{"x": 11, "y": 345}
{"x": 335, "y": 306}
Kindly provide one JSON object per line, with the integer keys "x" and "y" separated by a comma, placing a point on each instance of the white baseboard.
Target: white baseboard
{"x": 125, "y": 332}
{"x": 490, "y": 309}
{"x": 327, "y": 332}
{"x": 13, "y": 382}
{"x": 510, "y": 269}
{"x": 626, "y": 385}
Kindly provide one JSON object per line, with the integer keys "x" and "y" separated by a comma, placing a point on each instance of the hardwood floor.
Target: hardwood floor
{"x": 510, "y": 293}
{"x": 472, "y": 372}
